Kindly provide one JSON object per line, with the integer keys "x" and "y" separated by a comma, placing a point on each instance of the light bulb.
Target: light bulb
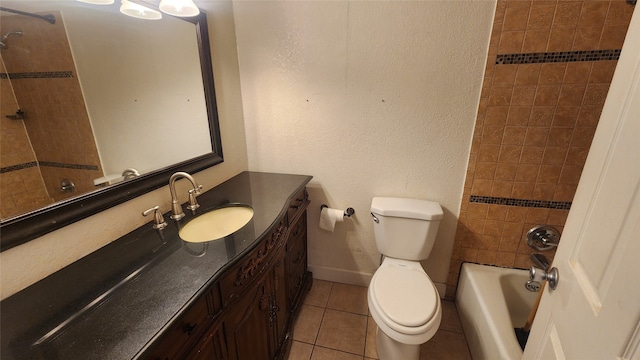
{"x": 98, "y": 2}
{"x": 181, "y": 8}
{"x": 138, "y": 11}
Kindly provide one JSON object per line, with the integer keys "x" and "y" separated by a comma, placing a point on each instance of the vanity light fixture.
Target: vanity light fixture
{"x": 136, "y": 10}
{"x": 181, "y": 8}
{"x": 98, "y": 2}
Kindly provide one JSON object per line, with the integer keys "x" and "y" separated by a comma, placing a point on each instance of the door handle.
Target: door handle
{"x": 552, "y": 276}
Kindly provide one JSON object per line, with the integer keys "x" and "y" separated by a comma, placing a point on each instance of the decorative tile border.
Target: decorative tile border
{"x": 37, "y": 75}
{"x": 556, "y": 57}
{"x": 68, "y": 166}
{"x": 18, "y": 167}
{"x": 49, "y": 164}
{"x": 560, "y": 205}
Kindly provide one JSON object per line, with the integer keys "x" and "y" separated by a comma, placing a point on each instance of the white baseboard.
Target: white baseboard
{"x": 340, "y": 275}
{"x": 353, "y": 277}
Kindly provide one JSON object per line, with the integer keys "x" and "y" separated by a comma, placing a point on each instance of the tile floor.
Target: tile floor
{"x": 334, "y": 324}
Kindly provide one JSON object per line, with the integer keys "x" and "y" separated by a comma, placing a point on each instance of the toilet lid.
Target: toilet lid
{"x": 405, "y": 295}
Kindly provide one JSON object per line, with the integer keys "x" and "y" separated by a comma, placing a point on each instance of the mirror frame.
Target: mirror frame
{"x": 26, "y": 227}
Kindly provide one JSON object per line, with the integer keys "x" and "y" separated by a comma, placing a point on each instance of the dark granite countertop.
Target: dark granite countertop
{"x": 115, "y": 302}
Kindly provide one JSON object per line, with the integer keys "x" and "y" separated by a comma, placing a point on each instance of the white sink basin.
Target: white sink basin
{"x": 216, "y": 224}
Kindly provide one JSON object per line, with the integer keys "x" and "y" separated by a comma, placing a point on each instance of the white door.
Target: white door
{"x": 594, "y": 313}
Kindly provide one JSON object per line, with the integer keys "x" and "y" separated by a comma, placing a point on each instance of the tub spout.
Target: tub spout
{"x": 540, "y": 261}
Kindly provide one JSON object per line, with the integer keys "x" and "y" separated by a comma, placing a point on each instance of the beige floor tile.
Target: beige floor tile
{"x": 445, "y": 345}
{"x": 308, "y": 323}
{"x": 343, "y": 331}
{"x": 450, "y": 318}
{"x": 320, "y": 353}
{"x": 348, "y": 298}
{"x": 300, "y": 351}
{"x": 319, "y": 293}
{"x": 370, "y": 345}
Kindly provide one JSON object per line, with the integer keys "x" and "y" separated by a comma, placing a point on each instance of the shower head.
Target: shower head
{"x": 3, "y": 44}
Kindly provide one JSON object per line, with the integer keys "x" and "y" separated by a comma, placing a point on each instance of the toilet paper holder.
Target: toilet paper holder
{"x": 350, "y": 211}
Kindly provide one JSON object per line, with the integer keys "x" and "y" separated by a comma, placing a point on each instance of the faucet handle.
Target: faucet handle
{"x": 543, "y": 237}
{"x": 193, "y": 203}
{"x": 159, "y": 222}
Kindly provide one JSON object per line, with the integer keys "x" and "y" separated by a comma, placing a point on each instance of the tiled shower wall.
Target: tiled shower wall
{"x": 41, "y": 69}
{"x": 549, "y": 68}
{"x": 21, "y": 188}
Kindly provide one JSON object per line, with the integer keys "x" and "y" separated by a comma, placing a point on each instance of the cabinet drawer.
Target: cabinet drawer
{"x": 188, "y": 328}
{"x": 297, "y": 205}
{"x": 296, "y": 231}
{"x": 241, "y": 275}
{"x": 297, "y": 251}
{"x": 295, "y": 278}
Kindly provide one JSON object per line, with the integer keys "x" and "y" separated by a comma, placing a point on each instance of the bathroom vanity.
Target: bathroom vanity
{"x": 150, "y": 295}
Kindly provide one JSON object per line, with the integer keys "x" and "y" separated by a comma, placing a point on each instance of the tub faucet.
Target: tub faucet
{"x": 175, "y": 204}
{"x": 540, "y": 261}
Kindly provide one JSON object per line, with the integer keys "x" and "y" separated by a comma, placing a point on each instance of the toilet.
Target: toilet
{"x": 403, "y": 300}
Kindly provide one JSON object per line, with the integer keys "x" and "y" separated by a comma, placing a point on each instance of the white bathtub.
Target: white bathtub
{"x": 492, "y": 301}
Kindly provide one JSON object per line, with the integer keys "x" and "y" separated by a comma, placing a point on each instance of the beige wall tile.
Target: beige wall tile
{"x": 518, "y": 115}
{"x": 535, "y": 41}
{"x": 515, "y": 18}
{"x": 528, "y": 74}
{"x": 541, "y": 16}
{"x": 552, "y": 73}
{"x": 567, "y": 15}
{"x": 511, "y": 42}
{"x": 593, "y": 13}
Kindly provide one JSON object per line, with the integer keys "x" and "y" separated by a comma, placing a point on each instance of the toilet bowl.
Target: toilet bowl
{"x": 403, "y": 300}
{"x": 405, "y": 305}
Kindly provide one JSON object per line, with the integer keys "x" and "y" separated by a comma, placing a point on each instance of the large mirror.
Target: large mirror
{"x": 97, "y": 108}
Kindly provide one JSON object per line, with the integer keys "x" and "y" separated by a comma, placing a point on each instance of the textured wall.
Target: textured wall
{"x": 549, "y": 69}
{"x": 372, "y": 99}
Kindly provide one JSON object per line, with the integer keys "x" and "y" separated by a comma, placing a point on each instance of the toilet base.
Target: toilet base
{"x": 389, "y": 349}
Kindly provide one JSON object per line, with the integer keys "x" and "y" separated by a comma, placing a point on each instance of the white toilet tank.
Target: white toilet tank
{"x": 405, "y": 228}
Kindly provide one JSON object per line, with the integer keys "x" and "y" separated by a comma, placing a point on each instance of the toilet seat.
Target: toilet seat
{"x": 405, "y": 295}
{"x": 404, "y": 299}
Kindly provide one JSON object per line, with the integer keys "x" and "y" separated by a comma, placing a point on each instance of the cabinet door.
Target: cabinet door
{"x": 247, "y": 324}
{"x": 212, "y": 346}
{"x": 296, "y": 262}
{"x": 279, "y": 312}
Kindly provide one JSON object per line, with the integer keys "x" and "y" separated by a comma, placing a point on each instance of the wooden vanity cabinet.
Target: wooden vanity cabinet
{"x": 249, "y": 311}
{"x": 189, "y": 328}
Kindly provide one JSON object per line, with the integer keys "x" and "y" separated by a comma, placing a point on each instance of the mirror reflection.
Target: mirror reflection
{"x": 93, "y": 99}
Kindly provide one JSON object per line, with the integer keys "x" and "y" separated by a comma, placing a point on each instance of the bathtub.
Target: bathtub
{"x": 492, "y": 301}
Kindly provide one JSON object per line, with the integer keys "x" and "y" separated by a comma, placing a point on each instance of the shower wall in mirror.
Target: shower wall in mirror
{"x": 82, "y": 102}
{"x": 53, "y": 140}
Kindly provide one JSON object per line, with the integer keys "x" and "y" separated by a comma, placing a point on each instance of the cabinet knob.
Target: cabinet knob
{"x": 188, "y": 328}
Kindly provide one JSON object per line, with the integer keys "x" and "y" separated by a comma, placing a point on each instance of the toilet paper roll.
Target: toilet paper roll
{"x": 329, "y": 217}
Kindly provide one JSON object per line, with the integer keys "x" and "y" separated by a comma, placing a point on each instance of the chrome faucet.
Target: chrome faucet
{"x": 175, "y": 204}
